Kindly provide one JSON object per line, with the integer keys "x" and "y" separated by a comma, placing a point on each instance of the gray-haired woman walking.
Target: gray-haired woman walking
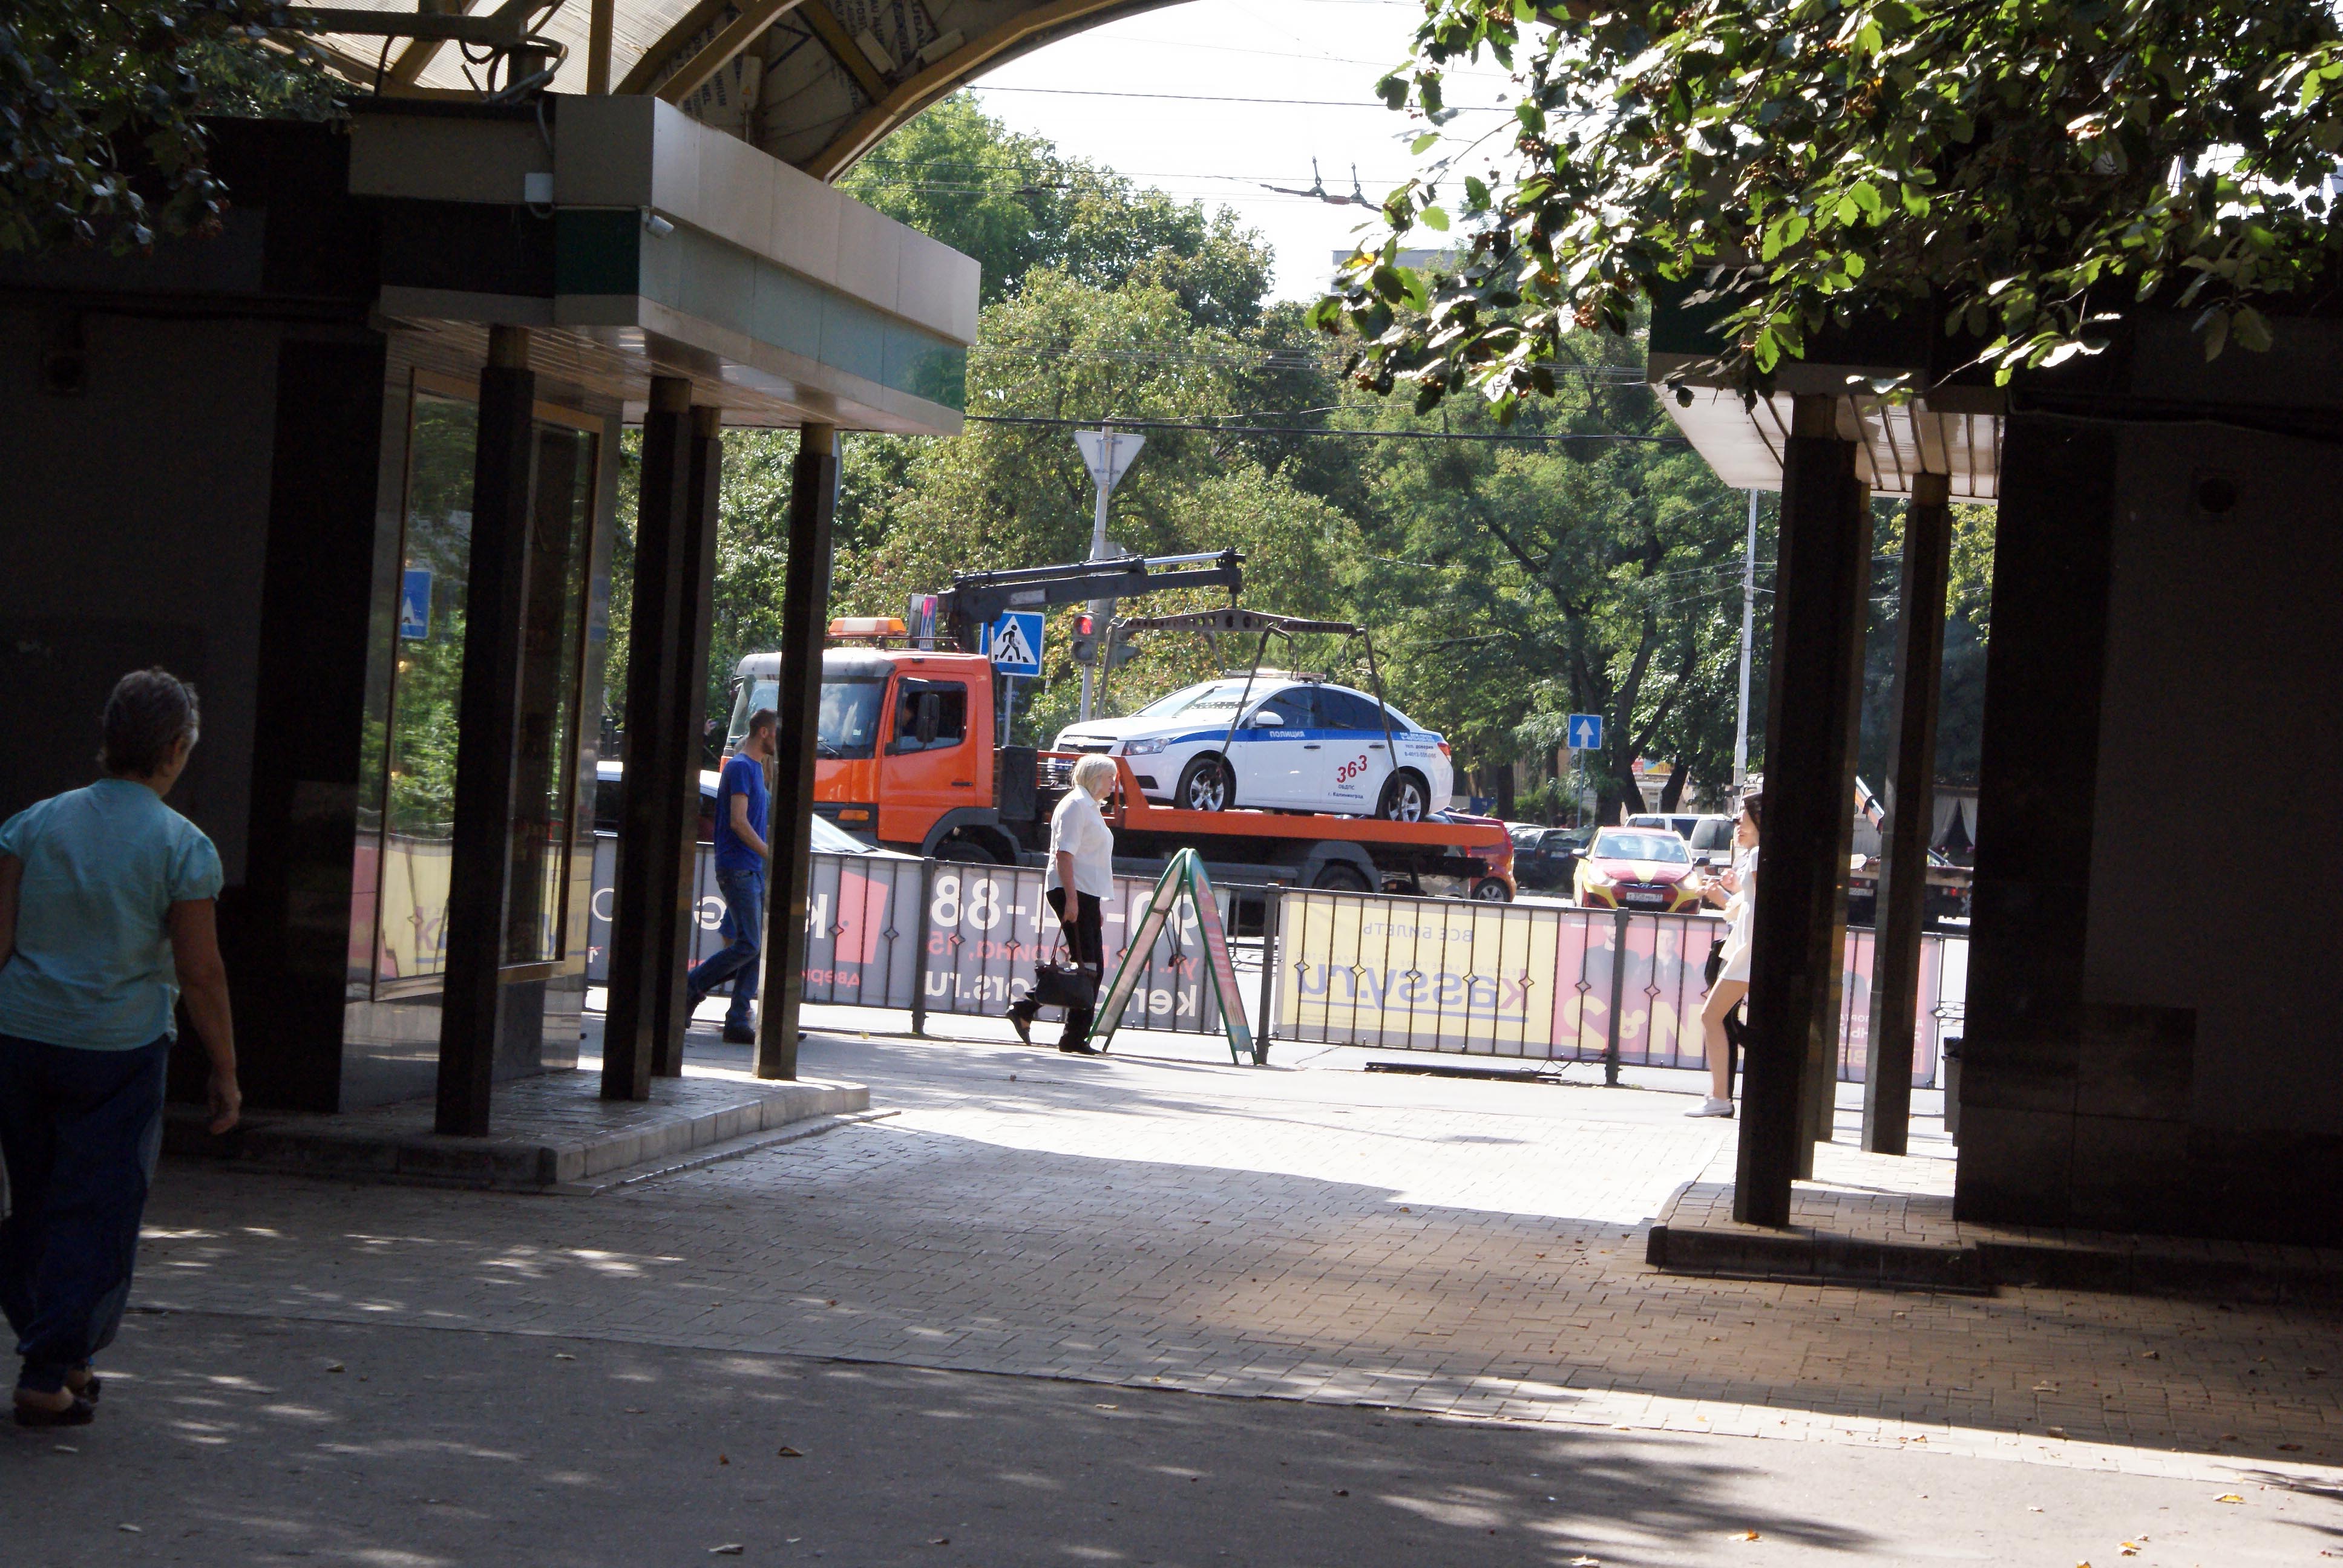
{"x": 107, "y": 900}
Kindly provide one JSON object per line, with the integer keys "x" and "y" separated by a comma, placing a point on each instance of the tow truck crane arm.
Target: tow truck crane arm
{"x": 977, "y": 599}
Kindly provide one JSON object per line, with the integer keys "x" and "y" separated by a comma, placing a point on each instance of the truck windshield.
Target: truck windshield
{"x": 848, "y": 725}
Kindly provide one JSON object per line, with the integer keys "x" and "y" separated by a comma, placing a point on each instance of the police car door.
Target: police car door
{"x": 1358, "y": 759}
{"x": 1276, "y": 754}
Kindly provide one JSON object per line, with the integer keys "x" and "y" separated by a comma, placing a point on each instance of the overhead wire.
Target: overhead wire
{"x": 1626, "y": 437}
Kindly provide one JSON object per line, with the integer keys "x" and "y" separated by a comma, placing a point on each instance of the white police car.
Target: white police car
{"x": 1298, "y": 746}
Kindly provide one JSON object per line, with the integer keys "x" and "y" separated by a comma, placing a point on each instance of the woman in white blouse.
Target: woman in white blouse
{"x": 1081, "y": 867}
{"x": 1736, "y": 890}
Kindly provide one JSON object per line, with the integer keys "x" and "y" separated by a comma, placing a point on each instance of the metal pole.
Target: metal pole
{"x": 1748, "y": 620}
{"x": 1098, "y": 549}
{"x": 1267, "y": 1023}
{"x": 1618, "y": 998}
{"x": 925, "y": 931}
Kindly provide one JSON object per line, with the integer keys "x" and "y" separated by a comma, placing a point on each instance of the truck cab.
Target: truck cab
{"x": 903, "y": 747}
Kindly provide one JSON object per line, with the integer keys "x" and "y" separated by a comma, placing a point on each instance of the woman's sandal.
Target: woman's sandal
{"x": 81, "y": 1412}
{"x": 92, "y": 1386}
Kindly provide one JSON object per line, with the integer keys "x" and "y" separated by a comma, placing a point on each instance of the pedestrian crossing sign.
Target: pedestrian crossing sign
{"x": 1014, "y": 641}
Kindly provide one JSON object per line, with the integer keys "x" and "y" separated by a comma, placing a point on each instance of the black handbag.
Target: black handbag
{"x": 1715, "y": 965}
{"x": 1064, "y": 985}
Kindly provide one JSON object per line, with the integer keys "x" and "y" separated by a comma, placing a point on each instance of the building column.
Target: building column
{"x": 487, "y": 720}
{"x": 650, "y": 927}
{"x": 1911, "y": 810}
{"x": 688, "y": 703}
{"x": 805, "y": 610}
{"x": 2022, "y": 1052}
{"x": 1821, "y": 587}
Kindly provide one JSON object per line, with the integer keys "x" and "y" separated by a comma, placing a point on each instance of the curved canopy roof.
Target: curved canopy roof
{"x": 814, "y": 83}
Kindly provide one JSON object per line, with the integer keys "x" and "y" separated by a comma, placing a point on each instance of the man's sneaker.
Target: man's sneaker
{"x": 1712, "y": 1106}
{"x": 740, "y": 1034}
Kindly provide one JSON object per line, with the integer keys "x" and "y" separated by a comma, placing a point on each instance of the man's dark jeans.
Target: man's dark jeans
{"x": 744, "y": 912}
{"x": 80, "y": 1129}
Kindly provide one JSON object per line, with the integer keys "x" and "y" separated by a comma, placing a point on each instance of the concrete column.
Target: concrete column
{"x": 1821, "y": 581}
{"x": 805, "y": 610}
{"x": 648, "y": 927}
{"x": 1911, "y": 810}
{"x": 687, "y": 706}
{"x": 487, "y": 718}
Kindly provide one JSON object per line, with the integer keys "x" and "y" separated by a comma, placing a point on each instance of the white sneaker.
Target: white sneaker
{"x": 1712, "y": 1106}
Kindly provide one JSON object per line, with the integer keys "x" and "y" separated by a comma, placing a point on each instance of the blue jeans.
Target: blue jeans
{"x": 744, "y": 912}
{"x": 80, "y": 1129}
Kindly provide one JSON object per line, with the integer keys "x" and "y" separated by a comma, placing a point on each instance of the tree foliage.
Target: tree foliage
{"x": 2019, "y": 169}
{"x": 1018, "y": 205}
{"x": 99, "y": 140}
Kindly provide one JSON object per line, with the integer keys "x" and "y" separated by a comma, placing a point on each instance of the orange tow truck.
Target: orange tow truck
{"x": 906, "y": 760}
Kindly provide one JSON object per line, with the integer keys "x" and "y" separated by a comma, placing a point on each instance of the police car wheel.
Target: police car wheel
{"x": 1403, "y": 799}
{"x": 1203, "y": 786}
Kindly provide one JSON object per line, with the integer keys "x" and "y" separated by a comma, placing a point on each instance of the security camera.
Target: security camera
{"x": 659, "y": 228}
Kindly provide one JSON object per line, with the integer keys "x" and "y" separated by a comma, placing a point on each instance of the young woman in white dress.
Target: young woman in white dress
{"x": 1736, "y": 890}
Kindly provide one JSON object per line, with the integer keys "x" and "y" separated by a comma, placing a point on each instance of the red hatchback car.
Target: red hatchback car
{"x": 1641, "y": 868}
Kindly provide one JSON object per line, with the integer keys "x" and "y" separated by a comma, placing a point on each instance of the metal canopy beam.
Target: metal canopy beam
{"x": 844, "y": 49}
{"x": 756, "y": 16}
{"x": 505, "y": 27}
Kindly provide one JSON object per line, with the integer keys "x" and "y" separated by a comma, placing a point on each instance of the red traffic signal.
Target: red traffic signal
{"x": 1082, "y": 624}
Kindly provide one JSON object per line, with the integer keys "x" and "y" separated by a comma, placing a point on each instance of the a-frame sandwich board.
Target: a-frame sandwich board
{"x": 1184, "y": 878}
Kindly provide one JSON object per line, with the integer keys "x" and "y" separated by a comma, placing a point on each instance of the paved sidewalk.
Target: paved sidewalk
{"x": 231, "y": 1442}
{"x": 1432, "y": 1245}
{"x": 1884, "y": 1217}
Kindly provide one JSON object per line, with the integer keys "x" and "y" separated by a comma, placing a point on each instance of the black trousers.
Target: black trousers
{"x": 1085, "y": 944}
{"x": 80, "y": 1129}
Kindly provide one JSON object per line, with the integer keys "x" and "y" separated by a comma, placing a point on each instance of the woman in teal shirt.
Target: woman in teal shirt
{"x": 106, "y": 902}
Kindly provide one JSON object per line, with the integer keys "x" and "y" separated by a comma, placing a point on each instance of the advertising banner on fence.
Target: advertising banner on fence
{"x": 1542, "y": 981}
{"x": 1419, "y": 974}
{"x": 983, "y": 927}
{"x": 989, "y": 925}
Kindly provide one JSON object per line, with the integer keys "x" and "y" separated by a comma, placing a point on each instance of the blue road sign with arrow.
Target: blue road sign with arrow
{"x": 1015, "y": 643}
{"x": 1586, "y": 732}
{"x": 414, "y": 605}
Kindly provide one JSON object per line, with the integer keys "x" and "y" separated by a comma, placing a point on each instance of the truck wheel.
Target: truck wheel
{"x": 1491, "y": 891}
{"x": 965, "y": 852}
{"x": 1204, "y": 785}
{"x": 1406, "y": 799}
{"x": 1342, "y": 877}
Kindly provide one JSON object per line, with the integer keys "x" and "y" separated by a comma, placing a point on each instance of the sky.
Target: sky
{"x": 1313, "y": 63}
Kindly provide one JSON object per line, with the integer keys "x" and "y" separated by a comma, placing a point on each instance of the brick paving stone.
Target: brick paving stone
{"x": 1465, "y": 1249}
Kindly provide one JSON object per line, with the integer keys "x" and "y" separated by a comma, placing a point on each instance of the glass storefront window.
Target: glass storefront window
{"x": 419, "y": 801}
{"x": 560, "y": 524}
{"x": 416, "y": 854}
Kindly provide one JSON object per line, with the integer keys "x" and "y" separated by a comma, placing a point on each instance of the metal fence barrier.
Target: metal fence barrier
{"x": 1534, "y": 982}
{"x": 1545, "y": 983}
{"x": 940, "y": 937}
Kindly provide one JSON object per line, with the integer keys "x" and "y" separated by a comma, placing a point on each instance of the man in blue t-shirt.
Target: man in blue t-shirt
{"x": 743, "y": 808}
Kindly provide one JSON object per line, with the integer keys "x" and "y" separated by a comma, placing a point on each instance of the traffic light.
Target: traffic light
{"x": 1085, "y": 638}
